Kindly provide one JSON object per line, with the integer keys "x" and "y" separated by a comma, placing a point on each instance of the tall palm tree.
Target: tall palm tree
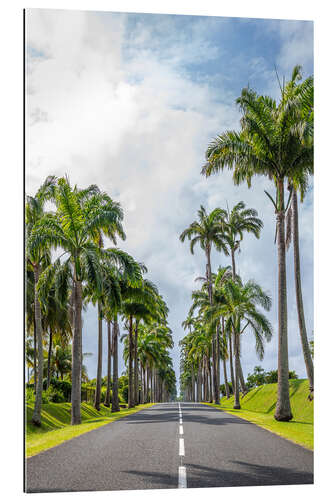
{"x": 299, "y": 95}
{"x": 96, "y": 204}
{"x": 207, "y": 232}
{"x": 38, "y": 256}
{"x": 270, "y": 143}
{"x": 235, "y": 223}
{"x": 72, "y": 230}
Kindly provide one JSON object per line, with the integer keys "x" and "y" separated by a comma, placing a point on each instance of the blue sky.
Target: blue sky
{"x": 130, "y": 102}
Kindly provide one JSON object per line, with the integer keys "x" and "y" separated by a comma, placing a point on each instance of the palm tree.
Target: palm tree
{"x": 38, "y": 255}
{"x": 300, "y": 96}
{"x": 241, "y": 313}
{"x": 73, "y": 230}
{"x": 235, "y": 223}
{"x": 207, "y": 232}
{"x": 96, "y": 204}
{"x": 270, "y": 143}
{"x": 61, "y": 361}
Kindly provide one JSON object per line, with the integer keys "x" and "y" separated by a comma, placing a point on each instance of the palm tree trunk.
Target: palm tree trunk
{"x": 199, "y": 392}
{"x": 130, "y": 363}
{"x": 97, "y": 403}
{"x": 35, "y": 354}
{"x": 217, "y": 399}
{"x": 136, "y": 368}
{"x": 36, "y": 417}
{"x": 231, "y": 364}
{"x": 49, "y": 360}
{"x": 241, "y": 376}
{"x": 108, "y": 385}
{"x": 77, "y": 355}
{"x": 144, "y": 385}
{"x": 226, "y": 384}
{"x": 115, "y": 396}
{"x": 283, "y": 410}
{"x": 299, "y": 298}
{"x": 236, "y": 346}
{"x": 192, "y": 386}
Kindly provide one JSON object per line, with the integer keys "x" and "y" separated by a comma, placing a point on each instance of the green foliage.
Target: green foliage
{"x": 260, "y": 377}
{"x": 29, "y": 395}
{"x": 53, "y": 395}
{"x": 222, "y": 389}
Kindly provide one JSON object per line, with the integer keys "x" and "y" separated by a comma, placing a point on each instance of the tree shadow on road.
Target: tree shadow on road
{"x": 199, "y": 476}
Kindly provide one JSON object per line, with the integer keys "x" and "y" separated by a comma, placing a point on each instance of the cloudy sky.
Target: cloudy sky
{"x": 130, "y": 102}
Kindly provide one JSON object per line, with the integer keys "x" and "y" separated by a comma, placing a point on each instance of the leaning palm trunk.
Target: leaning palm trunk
{"x": 36, "y": 417}
{"x": 108, "y": 385}
{"x": 299, "y": 298}
{"x": 77, "y": 355}
{"x": 49, "y": 360}
{"x": 115, "y": 396}
{"x": 241, "y": 377}
{"x": 283, "y": 410}
{"x": 97, "y": 403}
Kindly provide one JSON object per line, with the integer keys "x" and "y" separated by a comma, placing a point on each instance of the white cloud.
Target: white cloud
{"x": 124, "y": 114}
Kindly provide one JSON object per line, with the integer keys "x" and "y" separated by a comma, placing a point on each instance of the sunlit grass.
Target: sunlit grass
{"x": 258, "y": 406}
{"x": 56, "y": 428}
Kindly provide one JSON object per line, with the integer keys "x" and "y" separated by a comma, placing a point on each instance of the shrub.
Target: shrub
{"x": 29, "y": 395}
{"x": 54, "y": 395}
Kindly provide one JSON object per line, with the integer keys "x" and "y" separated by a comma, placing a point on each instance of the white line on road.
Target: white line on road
{"x": 181, "y": 447}
{"x": 180, "y": 420}
{"x": 181, "y": 430}
{"x": 182, "y": 483}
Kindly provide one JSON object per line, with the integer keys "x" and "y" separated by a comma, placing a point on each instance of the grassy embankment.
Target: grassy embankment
{"x": 56, "y": 428}
{"x": 258, "y": 406}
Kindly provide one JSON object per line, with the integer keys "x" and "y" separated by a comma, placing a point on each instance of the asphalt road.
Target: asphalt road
{"x": 170, "y": 446}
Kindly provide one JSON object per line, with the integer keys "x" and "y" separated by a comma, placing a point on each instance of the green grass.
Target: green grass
{"x": 56, "y": 428}
{"x": 258, "y": 406}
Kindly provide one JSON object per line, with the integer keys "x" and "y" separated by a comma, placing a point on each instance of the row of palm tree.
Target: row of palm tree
{"x": 225, "y": 307}
{"x": 275, "y": 140}
{"x": 68, "y": 266}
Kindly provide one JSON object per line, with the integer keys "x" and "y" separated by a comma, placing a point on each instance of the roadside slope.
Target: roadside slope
{"x": 258, "y": 406}
{"x": 56, "y": 428}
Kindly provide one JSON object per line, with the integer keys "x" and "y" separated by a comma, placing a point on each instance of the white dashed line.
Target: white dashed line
{"x": 181, "y": 447}
{"x": 182, "y": 482}
{"x": 182, "y": 477}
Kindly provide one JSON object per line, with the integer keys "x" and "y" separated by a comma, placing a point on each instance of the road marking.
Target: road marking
{"x": 181, "y": 430}
{"x": 180, "y": 420}
{"x": 181, "y": 447}
{"x": 182, "y": 483}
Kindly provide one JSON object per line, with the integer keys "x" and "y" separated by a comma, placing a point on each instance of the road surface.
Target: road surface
{"x": 170, "y": 445}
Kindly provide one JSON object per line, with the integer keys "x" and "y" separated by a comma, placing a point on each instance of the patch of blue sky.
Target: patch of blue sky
{"x": 227, "y": 53}
{"x": 36, "y": 54}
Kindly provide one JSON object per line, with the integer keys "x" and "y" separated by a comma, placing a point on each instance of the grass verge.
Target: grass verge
{"x": 56, "y": 428}
{"x": 258, "y": 407}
